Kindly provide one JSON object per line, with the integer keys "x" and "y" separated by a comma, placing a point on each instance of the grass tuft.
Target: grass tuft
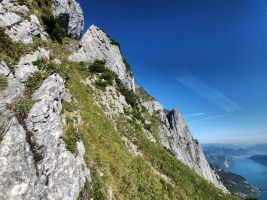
{"x": 3, "y": 82}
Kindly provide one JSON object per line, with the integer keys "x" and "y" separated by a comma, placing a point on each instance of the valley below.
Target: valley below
{"x": 243, "y": 169}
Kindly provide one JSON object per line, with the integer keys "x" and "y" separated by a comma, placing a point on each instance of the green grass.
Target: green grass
{"x": 34, "y": 82}
{"x": 11, "y": 51}
{"x": 130, "y": 177}
{"x": 21, "y": 108}
{"x": 107, "y": 153}
{"x": 3, "y": 82}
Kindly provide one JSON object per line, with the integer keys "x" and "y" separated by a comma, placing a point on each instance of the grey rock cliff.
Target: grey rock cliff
{"x": 96, "y": 45}
{"x": 70, "y": 15}
{"x": 33, "y": 159}
{"x": 176, "y": 136}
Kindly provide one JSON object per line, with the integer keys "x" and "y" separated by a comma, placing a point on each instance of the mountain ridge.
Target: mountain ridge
{"x": 79, "y": 124}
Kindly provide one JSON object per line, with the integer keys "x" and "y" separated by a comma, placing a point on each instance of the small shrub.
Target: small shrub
{"x": 127, "y": 65}
{"x": 69, "y": 107}
{"x": 22, "y": 2}
{"x": 114, "y": 42}
{"x": 108, "y": 76}
{"x": 83, "y": 66}
{"x": 130, "y": 97}
{"x": 3, "y": 82}
{"x": 46, "y": 65}
{"x": 12, "y": 51}
{"x": 40, "y": 63}
{"x": 138, "y": 115}
{"x": 101, "y": 84}
{"x": 98, "y": 66}
{"x": 53, "y": 28}
{"x": 85, "y": 193}
{"x": 147, "y": 127}
{"x": 21, "y": 108}
{"x": 71, "y": 137}
{"x": 34, "y": 82}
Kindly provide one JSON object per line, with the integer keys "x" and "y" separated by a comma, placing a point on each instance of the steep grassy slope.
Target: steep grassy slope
{"x": 156, "y": 175}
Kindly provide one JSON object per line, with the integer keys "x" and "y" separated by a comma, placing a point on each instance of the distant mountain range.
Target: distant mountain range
{"x": 235, "y": 150}
{"x": 262, "y": 159}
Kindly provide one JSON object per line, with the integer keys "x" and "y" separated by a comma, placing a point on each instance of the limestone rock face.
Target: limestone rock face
{"x": 4, "y": 70}
{"x": 176, "y": 136}
{"x": 18, "y": 173}
{"x": 96, "y": 45}
{"x": 23, "y": 70}
{"x": 152, "y": 106}
{"x": 70, "y": 15}
{"x": 15, "y": 26}
{"x": 34, "y": 161}
{"x": 60, "y": 172}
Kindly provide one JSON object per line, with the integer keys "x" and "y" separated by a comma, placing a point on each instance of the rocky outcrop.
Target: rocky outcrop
{"x": 96, "y": 45}
{"x": 17, "y": 27}
{"x": 176, "y": 136}
{"x": 42, "y": 168}
{"x": 70, "y": 16}
{"x": 18, "y": 173}
{"x": 152, "y": 106}
{"x": 60, "y": 172}
{"x": 23, "y": 70}
{"x": 33, "y": 159}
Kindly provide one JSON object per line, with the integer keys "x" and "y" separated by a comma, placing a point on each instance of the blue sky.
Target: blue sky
{"x": 208, "y": 59}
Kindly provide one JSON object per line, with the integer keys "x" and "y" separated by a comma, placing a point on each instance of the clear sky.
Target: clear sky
{"x": 207, "y": 58}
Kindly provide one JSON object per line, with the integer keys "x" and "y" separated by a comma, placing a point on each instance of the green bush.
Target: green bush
{"x": 11, "y": 51}
{"x": 127, "y": 65}
{"x": 147, "y": 127}
{"x": 98, "y": 66}
{"x": 69, "y": 107}
{"x": 138, "y": 115}
{"x": 101, "y": 84}
{"x": 108, "y": 76}
{"x": 71, "y": 137}
{"x": 3, "y": 82}
{"x": 46, "y": 65}
{"x": 34, "y": 82}
{"x": 22, "y": 2}
{"x": 21, "y": 108}
{"x": 51, "y": 23}
{"x": 129, "y": 95}
{"x": 53, "y": 28}
{"x": 114, "y": 42}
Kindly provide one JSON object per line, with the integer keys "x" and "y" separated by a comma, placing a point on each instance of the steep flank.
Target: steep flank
{"x": 175, "y": 135}
{"x": 132, "y": 168}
